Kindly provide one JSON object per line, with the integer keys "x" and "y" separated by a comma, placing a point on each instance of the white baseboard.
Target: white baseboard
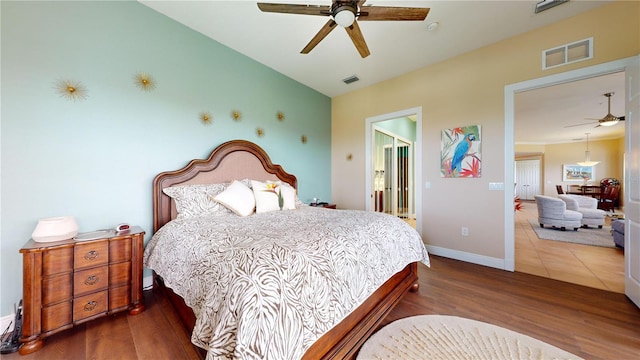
{"x": 468, "y": 257}
{"x": 5, "y": 321}
{"x": 147, "y": 282}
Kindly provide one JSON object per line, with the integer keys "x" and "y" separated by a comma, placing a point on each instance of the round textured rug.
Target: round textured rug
{"x": 451, "y": 337}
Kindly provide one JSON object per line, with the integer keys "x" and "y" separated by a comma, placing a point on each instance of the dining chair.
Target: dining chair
{"x": 609, "y": 198}
{"x": 559, "y": 189}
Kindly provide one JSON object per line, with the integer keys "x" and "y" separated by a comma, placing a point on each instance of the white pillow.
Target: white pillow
{"x": 266, "y": 195}
{"x": 289, "y": 195}
{"x": 237, "y": 198}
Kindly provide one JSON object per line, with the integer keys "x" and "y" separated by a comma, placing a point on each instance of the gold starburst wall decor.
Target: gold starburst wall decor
{"x": 260, "y": 132}
{"x": 145, "y": 81}
{"x": 280, "y": 116}
{"x": 235, "y": 114}
{"x": 349, "y": 157}
{"x": 71, "y": 90}
{"x": 304, "y": 139}
{"x": 206, "y": 117}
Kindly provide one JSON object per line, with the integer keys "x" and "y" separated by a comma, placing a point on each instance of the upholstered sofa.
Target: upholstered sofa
{"x": 617, "y": 230}
{"x": 553, "y": 212}
{"x": 588, "y": 207}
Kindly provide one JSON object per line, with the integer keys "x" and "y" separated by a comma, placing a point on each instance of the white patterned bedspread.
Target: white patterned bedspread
{"x": 266, "y": 286}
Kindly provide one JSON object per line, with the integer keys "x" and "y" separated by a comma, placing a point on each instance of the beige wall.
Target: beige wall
{"x": 466, "y": 90}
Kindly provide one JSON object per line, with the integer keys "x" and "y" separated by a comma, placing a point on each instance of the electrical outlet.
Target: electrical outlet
{"x": 465, "y": 231}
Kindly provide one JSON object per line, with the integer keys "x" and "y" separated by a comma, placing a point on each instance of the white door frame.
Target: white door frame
{"x": 368, "y": 192}
{"x": 509, "y": 153}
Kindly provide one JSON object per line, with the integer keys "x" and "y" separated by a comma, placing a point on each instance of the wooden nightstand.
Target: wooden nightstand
{"x": 328, "y": 206}
{"x": 68, "y": 282}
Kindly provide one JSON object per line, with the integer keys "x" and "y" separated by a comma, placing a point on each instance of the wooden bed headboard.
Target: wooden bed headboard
{"x": 233, "y": 160}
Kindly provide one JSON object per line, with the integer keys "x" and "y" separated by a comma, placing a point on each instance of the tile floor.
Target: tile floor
{"x": 592, "y": 266}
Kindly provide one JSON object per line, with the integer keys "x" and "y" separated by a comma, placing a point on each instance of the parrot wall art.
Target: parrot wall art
{"x": 460, "y": 154}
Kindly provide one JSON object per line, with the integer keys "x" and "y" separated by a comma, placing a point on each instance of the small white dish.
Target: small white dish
{"x": 92, "y": 235}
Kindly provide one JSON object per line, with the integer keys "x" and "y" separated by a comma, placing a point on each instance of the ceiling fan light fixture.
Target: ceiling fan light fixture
{"x": 610, "y": 122}
{"x": 344, "y": 16}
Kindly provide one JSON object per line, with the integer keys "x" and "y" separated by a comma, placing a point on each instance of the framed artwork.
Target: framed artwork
{"x": 460, "y": 154}
{"x": 575, "y": 172}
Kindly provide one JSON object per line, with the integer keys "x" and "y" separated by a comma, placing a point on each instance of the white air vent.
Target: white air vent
{"x": 548, "y": 4}
{"x": 350, "y": 79}
{"x": 567, "y": 54}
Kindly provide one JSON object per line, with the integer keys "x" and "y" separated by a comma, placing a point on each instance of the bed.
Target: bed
{"x": 299, "y": 311}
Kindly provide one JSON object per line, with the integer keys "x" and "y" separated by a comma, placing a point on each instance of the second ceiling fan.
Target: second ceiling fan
{"x": 607, "y": 120}
{"x": 347, "y": 14}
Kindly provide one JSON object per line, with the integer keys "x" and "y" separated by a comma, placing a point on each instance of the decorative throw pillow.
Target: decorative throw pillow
{"x": 238, "y": 198}
{"x": 197, "y": 200}
{"x": 289, "y": 195}
{"x": 267, "y": 196}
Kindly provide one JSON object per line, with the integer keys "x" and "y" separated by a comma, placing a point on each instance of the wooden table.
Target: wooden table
{"x": 587, "y": 190}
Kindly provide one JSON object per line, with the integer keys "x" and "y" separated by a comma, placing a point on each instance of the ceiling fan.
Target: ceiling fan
{"x": 344, "y": 13}
{"x": 607, "y": 120}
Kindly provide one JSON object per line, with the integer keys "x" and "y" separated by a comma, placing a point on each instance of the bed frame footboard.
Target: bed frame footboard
{"x": 345, "y": 339}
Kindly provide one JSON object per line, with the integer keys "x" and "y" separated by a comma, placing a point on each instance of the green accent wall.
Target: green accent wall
{"x": 96, "y": 158}
{"x": 404, "y": 127}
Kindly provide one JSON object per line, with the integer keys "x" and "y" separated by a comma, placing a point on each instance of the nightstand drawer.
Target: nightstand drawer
{"x": 56, "y": 316}
{"x": 57, "y": 261}
{"x": 56, "y": 289}
{"x": 120, "y": 274}
{"x": 119, "y": 250}
{"x": 90, "y": 280}
{"x": 89, "y": 305}
{"x": 92, "y": 254}
{"x": 119, "y": 298}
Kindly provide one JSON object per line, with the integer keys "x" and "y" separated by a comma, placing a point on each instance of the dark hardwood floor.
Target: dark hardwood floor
{"x": 590, "y": 323}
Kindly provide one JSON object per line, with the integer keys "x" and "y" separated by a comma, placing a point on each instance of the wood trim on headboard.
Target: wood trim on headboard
{"x": 162, "y": 202}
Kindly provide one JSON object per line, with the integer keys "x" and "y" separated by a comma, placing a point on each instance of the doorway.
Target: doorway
{"x": 592, "y": 266}
{"x": 393, "y": 172}
{"x": 393, "y": 168}
{"x": 510, "y": 113}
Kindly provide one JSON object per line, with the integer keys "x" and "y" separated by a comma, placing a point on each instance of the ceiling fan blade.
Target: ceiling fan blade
{"x": 326, "y": 29}
{"x": 621, "y": 118}
{"x": 296, "y": 9}
{"x": 589, "y": 123}
{"x": 376, "y": 13}
{"x": 358, "y": 40}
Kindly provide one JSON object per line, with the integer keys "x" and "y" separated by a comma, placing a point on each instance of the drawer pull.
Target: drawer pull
{"x": 90, "y": 305}
{"x": 91, "y": 255}
{"x": 91, "y": 280}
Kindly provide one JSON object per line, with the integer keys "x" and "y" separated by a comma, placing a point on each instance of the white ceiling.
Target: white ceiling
{"x": 398, "y": 47}
{"x": 541, "y": 115}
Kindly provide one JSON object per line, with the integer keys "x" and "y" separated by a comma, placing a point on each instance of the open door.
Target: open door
{"x": 632, "y": 184}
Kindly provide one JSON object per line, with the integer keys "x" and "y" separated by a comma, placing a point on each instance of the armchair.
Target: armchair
{"x": 553, "y": 211}
{"x": 588, "y": 207}
{"x": 617, "y": 230}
